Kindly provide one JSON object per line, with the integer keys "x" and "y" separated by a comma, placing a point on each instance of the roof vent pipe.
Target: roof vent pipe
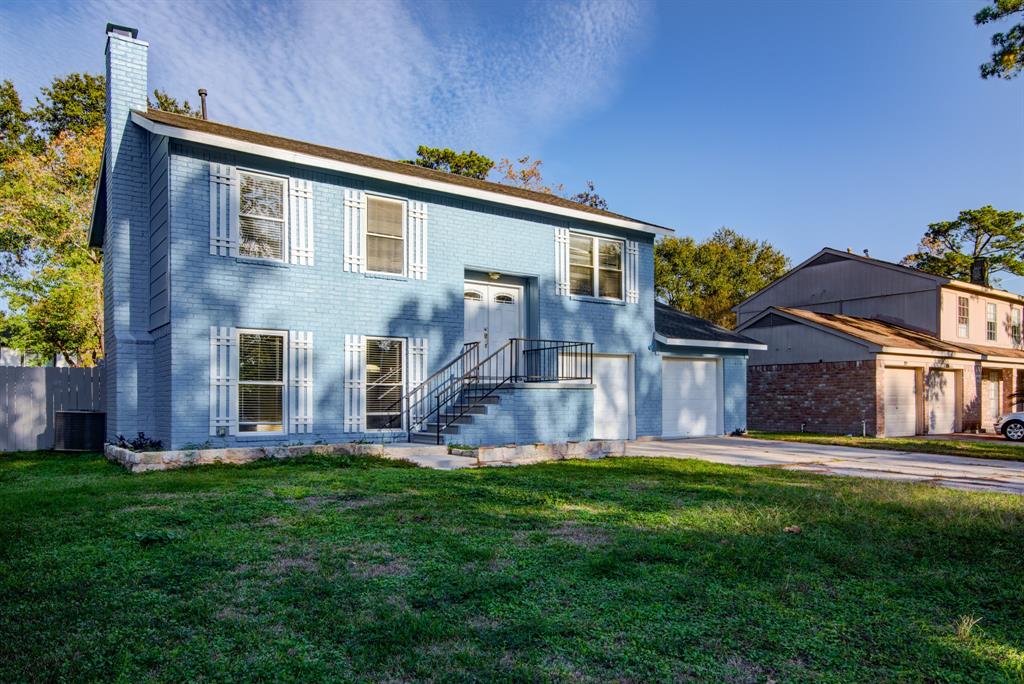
{"x": 202, "y": 101}
{"x": 979, "y": 271}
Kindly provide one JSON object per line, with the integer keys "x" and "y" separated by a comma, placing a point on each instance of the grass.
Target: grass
{"x": 354, "y": 569}
{"x": 999, "y": 449}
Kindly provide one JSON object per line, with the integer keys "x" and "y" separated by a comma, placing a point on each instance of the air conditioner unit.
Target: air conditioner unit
{"x": 79, "y": 430}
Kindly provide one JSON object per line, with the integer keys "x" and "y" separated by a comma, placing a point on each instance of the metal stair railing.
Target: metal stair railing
{"x": 518, "y": 360}
{"x": 412, "y": 407}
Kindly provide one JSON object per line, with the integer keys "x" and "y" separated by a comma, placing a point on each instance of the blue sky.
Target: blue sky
{"x": 805, "y": 124}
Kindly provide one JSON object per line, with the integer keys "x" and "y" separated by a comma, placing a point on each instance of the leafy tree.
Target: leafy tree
{"x": 1008, "y": 57}
{"x": 166, "y": 103}
{"x": 948, "y": 248}
{"x": 708, "y": 278}
{"x": 590, "y": 197}
{"x": 14, "y": 121}
{"x": 51, "y": 278}
{"x": 463, "y": 163}
{"x": 74, "y": 103}
{"x": 526, "y": 174}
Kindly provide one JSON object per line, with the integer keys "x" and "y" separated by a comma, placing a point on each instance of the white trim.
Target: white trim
{"x": 354, "y": 384}
{"x": 223, "y": 379}
{"x": 225, "y": 142}
{"x": 300, "y": 387}
{"x": 416, "y": 240}
{"x": 684, "y": 342}
{"x": 631, "y": 271}
{"x": 354, "y": 230}
{"x": 562, "y": 262}
{"x": 300, "y": 221}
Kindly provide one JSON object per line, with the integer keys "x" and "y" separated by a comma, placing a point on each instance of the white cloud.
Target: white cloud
{"x": 382, "y": 76}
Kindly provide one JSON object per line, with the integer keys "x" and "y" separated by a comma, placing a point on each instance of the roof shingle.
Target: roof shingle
{"x": 673, "y": 323}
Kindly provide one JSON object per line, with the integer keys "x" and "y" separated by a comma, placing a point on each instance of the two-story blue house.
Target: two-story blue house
{"x": 261, "y": 290}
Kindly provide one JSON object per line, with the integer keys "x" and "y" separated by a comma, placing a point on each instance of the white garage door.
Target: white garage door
{"x": 611, "y": 397}
{"x": 689, "y": 397}
{"x": 900, "y": 402}
{"x": 940, "y": 403}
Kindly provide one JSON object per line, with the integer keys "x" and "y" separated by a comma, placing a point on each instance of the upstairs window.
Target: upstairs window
{"x": 963, "y": 310}
{"x": 990, "y": 322}
{"x": 595, "y": 266}
{"x": 260, "y": 382}
{"x": 1015, "y": 325}
{"x": 261, "y": 216}
{"x": 385, "y": 235}
{"x": 385, "y": 382}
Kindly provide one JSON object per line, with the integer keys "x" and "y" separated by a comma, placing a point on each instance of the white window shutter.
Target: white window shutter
{"x": 632, "y": 272}
{"x": 354, "y": 417}
{"x": 223, "y": 380}
{"x": 223, "y": 210}
{"x": 416, "y": 241}
{"x": 300, "y": 381}
{"x": 417, "y": 373}
{"x": 562, "y": 261}
{"x": 355, "y": 231}
{"x": 300, "y": 221}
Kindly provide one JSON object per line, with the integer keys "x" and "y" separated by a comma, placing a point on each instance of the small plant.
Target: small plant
{"x": 154, "y": 537}
{"x": 140, "y": 443}
{"x": 460, "y": 447}
{"x": 197, "y": 446}
{"x": 964, "y": 626}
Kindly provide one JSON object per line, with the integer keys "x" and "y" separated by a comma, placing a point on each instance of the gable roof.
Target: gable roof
{"x": 829, "y": 255}
{"x": 265, "y": 144}
{"x": 676, "y": 328}
{"x": 885, "y": 336}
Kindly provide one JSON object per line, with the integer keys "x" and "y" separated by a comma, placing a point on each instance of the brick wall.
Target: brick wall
{"x": 822, "y": 397}
{"x": 527, "y": 416}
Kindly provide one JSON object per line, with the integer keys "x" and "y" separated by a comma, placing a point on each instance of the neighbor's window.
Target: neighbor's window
{"x": 385, "y": 235}
{"x": 384, "y": 384}
{"x": 1015, "y": 325}
{"x": 261, "y": 216}
{"x": 990, "y": 322}
{"x": 260, "y": 382}
{"x": 962, "y": 316}
{"x": 595, "y": 266}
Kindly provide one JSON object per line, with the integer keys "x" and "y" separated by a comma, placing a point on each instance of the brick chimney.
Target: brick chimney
{"x": 127, "y": 342}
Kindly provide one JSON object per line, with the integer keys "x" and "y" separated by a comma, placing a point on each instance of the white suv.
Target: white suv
{"x": 1011, "y": 426}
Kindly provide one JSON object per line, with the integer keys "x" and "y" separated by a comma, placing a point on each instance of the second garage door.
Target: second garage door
{"x": 611, "y": 397}
{"x": 940, "y": 403}
{"x": 689, "y": 397}
{"x": 900, "y": 402}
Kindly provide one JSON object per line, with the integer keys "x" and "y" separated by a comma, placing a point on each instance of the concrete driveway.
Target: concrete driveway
{"x": 949, "y": 471}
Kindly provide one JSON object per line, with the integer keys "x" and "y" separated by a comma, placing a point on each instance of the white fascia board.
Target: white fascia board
{"x": 202, "y": 138}
{"x": 935, "y": 354}
{"x": 683, "y": 342}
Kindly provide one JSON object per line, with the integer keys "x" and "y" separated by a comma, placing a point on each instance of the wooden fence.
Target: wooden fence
{"x": 29, "y": 398}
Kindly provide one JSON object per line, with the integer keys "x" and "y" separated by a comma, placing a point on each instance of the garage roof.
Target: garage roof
{"x": 674, "y": 327}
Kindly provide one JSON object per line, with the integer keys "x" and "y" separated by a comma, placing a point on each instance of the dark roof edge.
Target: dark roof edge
{"x": 223, "y": 135}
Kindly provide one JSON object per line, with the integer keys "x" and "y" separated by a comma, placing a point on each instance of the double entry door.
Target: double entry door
{"x": 493, "y": 315}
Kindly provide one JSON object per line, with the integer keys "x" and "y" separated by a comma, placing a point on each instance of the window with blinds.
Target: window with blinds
{"x": 595, "y": 266}
{"x": 260, "y": 382}
{"x": 261, "y": 219}
{"x": 385, "y": 381}
{"x": 990, "y": 322}
{"x": 385, "y": 235}
{"x": 1015, "y": 325}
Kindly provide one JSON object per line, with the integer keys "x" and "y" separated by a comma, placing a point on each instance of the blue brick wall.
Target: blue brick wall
{"x": 735, "y": 392}
{"x": 209, "y": 290}
{"x": 128, "y": 345}
{"x": 527, "y": 416}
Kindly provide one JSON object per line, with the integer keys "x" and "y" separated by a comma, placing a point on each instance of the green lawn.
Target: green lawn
{"x": 620, "y": 569}
{"x": 1002, "y": 448}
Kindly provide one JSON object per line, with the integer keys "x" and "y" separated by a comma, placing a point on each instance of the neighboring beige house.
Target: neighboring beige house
{"x": 862, "y": 345}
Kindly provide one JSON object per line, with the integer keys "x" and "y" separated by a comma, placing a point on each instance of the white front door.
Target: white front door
{"x": 689, "y": 397}
{"x": 493, "y": 315}
{"x": 612, "y": 389}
